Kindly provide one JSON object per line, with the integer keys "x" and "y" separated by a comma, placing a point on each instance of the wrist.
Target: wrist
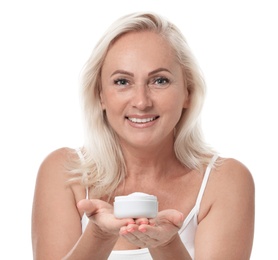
{"x": 172, "y": 249}
{"x": 93, "y": 244}
{"x": 98, "y": 233}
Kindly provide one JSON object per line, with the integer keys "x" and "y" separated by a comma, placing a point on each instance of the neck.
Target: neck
{"x": 153, "y": 162}
{"x": 160, "y": 167}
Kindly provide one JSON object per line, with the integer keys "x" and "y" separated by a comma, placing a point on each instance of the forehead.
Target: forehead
{"x": 140, "y": 46}
{"x": 140, "y": 37}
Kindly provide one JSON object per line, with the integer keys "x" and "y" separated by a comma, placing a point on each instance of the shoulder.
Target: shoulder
{"x": 54, "y": 169}
{"x": 59, "y": 156}
{"x": 54, "y": 175}
{"x": 231, "y": 173}
{"x": 228, "y": 207}
{"x": 230, "y": 183}
{"x": 58, "y": 160}
{"x": 54, "y": 210}
{"x": 230, "y": 176}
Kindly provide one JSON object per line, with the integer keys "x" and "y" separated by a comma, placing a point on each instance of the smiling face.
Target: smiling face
{"x": 143, "y": 89}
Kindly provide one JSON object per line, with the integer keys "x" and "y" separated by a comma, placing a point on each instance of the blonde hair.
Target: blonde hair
{"x": 103, "y": 167}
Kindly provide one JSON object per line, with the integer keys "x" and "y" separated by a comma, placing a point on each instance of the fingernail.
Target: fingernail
{"x": 123, "y": 232}
{"x": 130, "y": 229}
{"x": 143, "y": 230}
{"x": 144, "y": 222}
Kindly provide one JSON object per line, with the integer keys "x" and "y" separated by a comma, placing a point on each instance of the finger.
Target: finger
{"x": 87, "y": 206}
{"x": 130, "y": 233}
{"x": 140, "y": 221}
{"x": 141, "y": 232}
{"x": 134, "y": 235}
{"x": 129, "y": 228}
{"x": 173, "y": 216}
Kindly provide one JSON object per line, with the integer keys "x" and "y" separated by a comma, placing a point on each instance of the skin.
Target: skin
{"x": 141, "y": 80}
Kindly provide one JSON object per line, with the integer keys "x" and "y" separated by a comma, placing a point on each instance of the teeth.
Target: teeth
{"x": 141, "y": 120}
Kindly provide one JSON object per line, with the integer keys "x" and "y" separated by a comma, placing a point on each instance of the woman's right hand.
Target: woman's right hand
{"x": 101, "y": 214}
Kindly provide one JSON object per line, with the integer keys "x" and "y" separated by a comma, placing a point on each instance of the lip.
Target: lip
{"x": 141, "y": 121}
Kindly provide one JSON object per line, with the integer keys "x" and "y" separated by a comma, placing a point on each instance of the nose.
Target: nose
{"x": 141, "y": 98}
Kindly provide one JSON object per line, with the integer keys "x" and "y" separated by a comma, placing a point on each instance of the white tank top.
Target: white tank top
{"x": 187, "y": 231}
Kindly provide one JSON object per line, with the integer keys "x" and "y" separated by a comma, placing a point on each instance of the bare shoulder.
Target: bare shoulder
{"x": 231, "y": 177}
{"x": 53, "y": 175}
{"x": 56, "y": 165}
{"x": 227, "y": 208}
{"x": 58, "y": 158}
{"x": 231, "y": 173}
{"x": 55, "y": 217}
{"x": 230, "y": 182}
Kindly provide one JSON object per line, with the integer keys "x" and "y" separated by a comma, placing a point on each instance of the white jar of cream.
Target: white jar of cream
{"x": 136, "y": 205}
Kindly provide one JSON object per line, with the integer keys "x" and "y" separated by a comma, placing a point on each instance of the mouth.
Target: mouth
{"x": 137, "y": 120}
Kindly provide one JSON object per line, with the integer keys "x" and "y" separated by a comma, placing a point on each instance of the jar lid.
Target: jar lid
{"x": 136, "y": 196}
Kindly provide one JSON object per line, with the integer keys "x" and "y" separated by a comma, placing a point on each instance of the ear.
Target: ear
{"x": 102, "y": 100}
{"x": 186, "y": 102}
{"x": 186, "y": 99}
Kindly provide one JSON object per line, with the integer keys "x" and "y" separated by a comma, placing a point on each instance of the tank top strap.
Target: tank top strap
{"x": 81, "y": 157}
{"x": 80, "y": 154}
{"x": 84, "y": 220}
{"x": 204, "y": 182}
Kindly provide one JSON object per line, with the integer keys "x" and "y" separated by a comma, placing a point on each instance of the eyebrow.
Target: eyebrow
{"x": 132, "y": 75}
{"x": 158, "y": 70}
{"x": 122, "y": 72}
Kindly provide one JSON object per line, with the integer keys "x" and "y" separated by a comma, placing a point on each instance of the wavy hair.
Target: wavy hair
{"x": 103, "y": 166}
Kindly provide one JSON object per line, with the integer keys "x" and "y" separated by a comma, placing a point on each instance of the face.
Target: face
{"x": 143, "y": 89}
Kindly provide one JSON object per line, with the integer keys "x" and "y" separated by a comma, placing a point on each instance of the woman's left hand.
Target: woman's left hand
{"x": 154, "y": 232}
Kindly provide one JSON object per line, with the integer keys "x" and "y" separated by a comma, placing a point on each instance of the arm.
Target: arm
{"x": 173, "y": 250}
{"x": 226, "y": 230}
{"x": 226, "y": 221}
{"x": 56, "y": 220}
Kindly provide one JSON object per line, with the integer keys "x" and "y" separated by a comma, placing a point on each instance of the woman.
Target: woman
{"x": 143, "y": 94}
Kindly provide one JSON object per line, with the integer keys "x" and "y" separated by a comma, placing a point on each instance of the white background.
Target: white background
{"x": 44, "y": 45}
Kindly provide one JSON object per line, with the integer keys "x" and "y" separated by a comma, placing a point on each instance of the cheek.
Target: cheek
{"x": 107, "y": 99}
{"x": 111, "y": 103}
{"x": 173, "y": 107}
{"x": 181, "y": 103}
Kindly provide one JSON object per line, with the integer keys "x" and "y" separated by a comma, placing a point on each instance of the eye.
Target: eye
{"x": 121, "y": 82}
{"x": 160, "y": 82}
